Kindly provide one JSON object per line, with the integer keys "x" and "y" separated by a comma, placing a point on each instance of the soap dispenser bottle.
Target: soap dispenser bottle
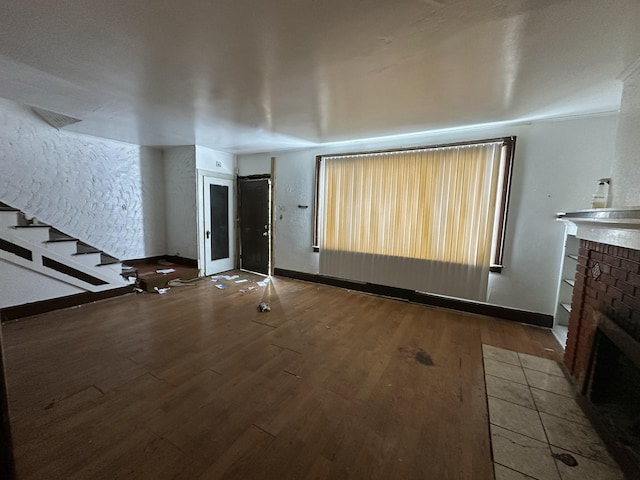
{"x": 600, "y": 199}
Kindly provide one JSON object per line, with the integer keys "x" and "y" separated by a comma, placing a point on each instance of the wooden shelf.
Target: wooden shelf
{"x": 566, "y": 281}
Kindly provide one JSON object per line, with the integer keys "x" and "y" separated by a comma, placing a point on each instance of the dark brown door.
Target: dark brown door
{"x": 255, "y": 224}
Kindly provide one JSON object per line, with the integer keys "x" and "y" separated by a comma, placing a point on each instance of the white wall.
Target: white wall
{"x": 21, "y": 285}
{"x": 180, "y": 202}
{"x": 181, "y": 166}
{"x": 625, "y": 181}
{"x": 218, "y": 164}
{"x": 556, "y": 168}
{"x": 215, "y": 161}
{"x": 254, "y": 164}
{"x": 106, "y": 193}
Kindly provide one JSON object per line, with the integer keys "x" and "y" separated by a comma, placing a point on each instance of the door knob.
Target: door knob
{"x": 265, "y": 234}
{"x": 208, "y": 233}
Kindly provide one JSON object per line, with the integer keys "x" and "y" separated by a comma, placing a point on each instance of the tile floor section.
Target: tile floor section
{"x": 533, "y": 416}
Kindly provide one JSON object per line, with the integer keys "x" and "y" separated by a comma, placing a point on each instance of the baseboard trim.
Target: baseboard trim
{"x": 187, "y": 262}
{"x": 505, "y": 313}
{"x": 36, "y": 308}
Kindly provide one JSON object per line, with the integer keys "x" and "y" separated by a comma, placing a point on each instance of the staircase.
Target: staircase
{"x": 46, "y": 250}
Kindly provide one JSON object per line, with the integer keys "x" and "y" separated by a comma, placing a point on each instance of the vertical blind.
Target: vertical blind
{"x": 435, "y": 206}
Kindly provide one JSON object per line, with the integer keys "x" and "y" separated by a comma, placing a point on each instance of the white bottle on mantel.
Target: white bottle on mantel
{"x": 600, "y": 199}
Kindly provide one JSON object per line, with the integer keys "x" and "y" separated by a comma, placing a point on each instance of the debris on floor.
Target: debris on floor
{"x": 177, "y": 282}
{"x": 146, "y": 273}
{"x": 264, "y": 307}
{"x": 243, "y": 283}
{"x": 161, "y": 291}
{"x": 164, "y": 271}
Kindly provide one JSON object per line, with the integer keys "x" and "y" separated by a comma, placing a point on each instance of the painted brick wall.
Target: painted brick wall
{"x": 615, "y": 292}
{"x": 626, "y": 174}
{"x": 106, "y": 193}
{"x": 181, "y": 205}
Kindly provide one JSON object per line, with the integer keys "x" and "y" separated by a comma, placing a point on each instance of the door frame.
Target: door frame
{"x": 233, "y": 235}
{"x": 263, "y": 176}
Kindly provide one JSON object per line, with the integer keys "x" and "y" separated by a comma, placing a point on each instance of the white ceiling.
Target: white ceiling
{"x": 264, "y": 75}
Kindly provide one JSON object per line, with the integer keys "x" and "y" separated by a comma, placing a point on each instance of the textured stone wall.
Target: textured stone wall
{"x": 106, "y": 193}
{"x": 626, "y": 167}
{"x": 181, "y": 206}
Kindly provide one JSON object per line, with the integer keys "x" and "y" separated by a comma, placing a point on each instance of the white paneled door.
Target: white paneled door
{"x": 218, "y": 225}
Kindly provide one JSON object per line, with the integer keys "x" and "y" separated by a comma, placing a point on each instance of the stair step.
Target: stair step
{"x": 116, "y": 268}
{"x": 107, "y": 259}
{"x": 90, "y": 259}
{"x": 7, "y": 208}
{"x": 34, "y": 234}
{"x": 8, "y": 218}
{"x": 85, "y": 248}
{"x": 108, "y": 262}
{"x": 88, "y": 252}
{"x": 59, "y": 240}
{"x": 56, "y": 235}
{"x": 61, "y": 248}
{"x": 24, "y": 221}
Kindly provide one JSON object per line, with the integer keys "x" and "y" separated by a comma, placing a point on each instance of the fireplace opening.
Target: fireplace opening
{"x": 614, "y": 391}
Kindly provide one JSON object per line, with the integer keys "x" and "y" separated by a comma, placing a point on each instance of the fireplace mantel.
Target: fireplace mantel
{"x": 604, "y": 323}
{"x": 613, "y": 226}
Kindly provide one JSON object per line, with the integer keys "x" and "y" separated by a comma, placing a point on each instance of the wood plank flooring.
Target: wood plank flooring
{"x": 198, "y": 384}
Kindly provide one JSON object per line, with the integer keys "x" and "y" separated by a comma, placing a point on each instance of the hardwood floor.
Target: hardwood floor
{"x": 198, "y": 384}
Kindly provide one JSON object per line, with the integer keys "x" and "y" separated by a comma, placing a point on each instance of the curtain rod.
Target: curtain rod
{"x": 502, "y": 140}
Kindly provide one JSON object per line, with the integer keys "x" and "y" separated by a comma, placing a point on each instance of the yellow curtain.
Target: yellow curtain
{"x": 434, "y": 204}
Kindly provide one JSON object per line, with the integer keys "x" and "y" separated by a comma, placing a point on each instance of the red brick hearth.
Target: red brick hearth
{"x": 607, "y": 281}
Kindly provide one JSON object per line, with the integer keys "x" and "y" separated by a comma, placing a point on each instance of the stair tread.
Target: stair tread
{"x": 57, "y": 236}
{"x": 112, "y": 262}
{"x": 57, "y": 240}
{"x": 7, "y": 208}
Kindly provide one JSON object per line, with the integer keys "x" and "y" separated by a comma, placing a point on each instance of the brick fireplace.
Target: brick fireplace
{"x": 603, "y": 344}
{"x": 608, "y": 282}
